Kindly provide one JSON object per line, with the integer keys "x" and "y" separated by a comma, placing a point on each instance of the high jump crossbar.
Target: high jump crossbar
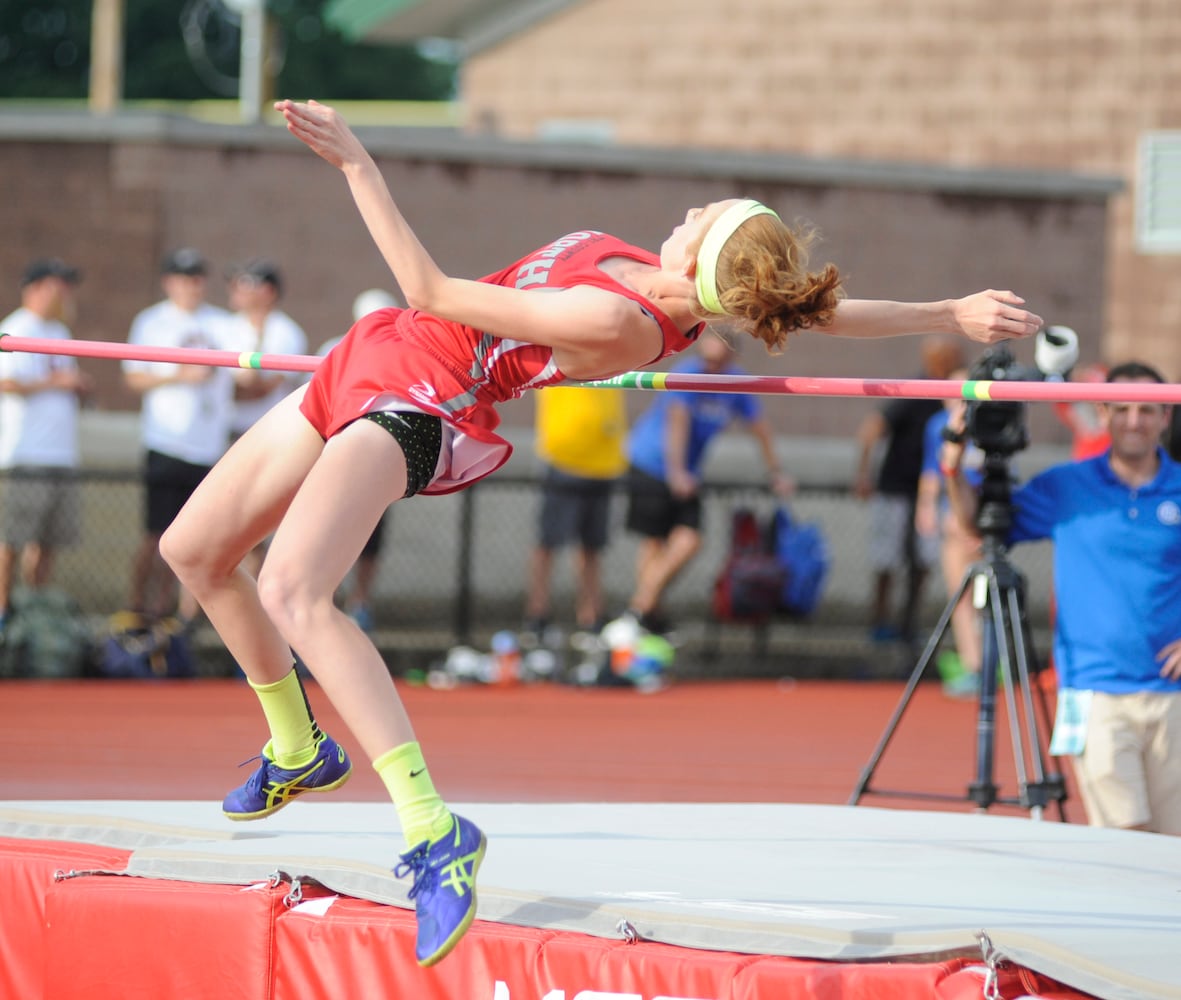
{"x": 775, "y": 385}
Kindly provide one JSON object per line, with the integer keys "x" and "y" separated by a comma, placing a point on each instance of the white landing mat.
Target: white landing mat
{"x": 1099, "y": 910}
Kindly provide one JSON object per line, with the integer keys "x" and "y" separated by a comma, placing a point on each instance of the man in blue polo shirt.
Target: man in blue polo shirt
{"x": 1115, "y": 521}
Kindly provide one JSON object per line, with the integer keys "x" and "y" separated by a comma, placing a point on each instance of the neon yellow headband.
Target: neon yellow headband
{"x": 724, "y": 226}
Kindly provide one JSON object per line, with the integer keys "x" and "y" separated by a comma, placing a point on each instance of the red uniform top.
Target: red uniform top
{"x": 407, "y": 359}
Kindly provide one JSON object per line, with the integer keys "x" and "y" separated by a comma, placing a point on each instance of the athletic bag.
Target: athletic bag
{"x": 750, "y": 585}
{"x": 46, "y": 636}
{"x": 137, "y": 648}
{"x": 802, "y": 551}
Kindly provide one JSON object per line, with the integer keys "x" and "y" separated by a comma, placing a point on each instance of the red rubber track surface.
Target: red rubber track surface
{"x": 751, "y": 741}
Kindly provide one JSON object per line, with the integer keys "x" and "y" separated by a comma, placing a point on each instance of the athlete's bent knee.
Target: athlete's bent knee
{"x": 175, "y": 550}
{"x": 287, "y": 600}
{"x": 190, "y": 556}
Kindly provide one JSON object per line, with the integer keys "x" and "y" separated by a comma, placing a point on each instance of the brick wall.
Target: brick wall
{"x": 1056, "y": 84}
{"x": 114, "y": 207}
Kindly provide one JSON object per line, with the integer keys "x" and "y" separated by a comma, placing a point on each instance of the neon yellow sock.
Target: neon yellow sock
{"x": 294, "y": 733}
{"x": 420, "y": 809}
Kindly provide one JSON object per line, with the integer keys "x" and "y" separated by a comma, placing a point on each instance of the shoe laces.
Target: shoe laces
{"x": 416, "y": 862}
{"x": 255, "y": 781}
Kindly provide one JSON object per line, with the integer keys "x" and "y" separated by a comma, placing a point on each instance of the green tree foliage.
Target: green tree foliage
{"x": 44, "y": 48}
{"x": 189, "y": 51}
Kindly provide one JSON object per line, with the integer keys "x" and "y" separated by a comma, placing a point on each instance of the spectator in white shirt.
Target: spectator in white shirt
{"x": 185, "y": 420}
{"x": 39, "y": 402}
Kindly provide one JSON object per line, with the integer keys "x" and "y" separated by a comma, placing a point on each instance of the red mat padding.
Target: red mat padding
{"x": 356, "y": 944}
{"x": 27, "y": 870}
{"x": 115, "y": 937}
{"x": 126, "y": 938}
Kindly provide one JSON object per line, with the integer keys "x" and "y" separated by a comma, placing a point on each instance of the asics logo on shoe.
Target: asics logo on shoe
{"x": 460, "y": 874}
{"x": 272, "y": 786}
{"x": 282, "y": 791}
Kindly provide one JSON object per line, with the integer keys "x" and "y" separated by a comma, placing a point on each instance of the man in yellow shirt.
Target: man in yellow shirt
{"x": 580, "y": 438}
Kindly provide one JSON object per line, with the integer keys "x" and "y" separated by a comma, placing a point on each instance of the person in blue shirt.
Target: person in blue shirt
{"x": 667, "y": 449}
{"x": 1115, "y": 521}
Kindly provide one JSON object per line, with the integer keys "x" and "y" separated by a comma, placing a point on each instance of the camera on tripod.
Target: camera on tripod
{"x": 999, "y": 428}
{"x": 997, "y": 591}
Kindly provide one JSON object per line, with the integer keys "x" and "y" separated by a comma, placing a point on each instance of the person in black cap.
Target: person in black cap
{"x": 50, "y": 267}
{"x": 187, "y": 261}
{"x": 185, "y": 422}
{"x": 39, "y": 401}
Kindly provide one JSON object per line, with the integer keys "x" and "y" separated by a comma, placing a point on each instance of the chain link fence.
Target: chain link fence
{"x": 453, "y": 570}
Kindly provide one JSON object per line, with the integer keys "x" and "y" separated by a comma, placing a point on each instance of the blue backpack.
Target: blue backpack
{"x": 803, "y": 552}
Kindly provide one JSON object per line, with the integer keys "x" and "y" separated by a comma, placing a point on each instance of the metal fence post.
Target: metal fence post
{"x": 463, "y": 587}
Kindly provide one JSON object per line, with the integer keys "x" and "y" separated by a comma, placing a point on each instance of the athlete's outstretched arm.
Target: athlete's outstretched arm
{"x": 586, "y": 321}
{"x": 325, "y": 132}
{"x": 986, "y": 317}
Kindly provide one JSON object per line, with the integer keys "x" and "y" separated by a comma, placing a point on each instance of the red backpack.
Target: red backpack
{"x": 749, "y": 587}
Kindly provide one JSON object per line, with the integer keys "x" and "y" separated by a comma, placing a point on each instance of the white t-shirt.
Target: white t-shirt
{"x": 280, "y": 335}
{"x": 41, "y": 428}
{"x": 189, "y": 421}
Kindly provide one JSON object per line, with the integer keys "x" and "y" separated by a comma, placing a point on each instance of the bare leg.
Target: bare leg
{"x": 187, "y": 606}
{"x": 141, "y": 571}
{"x": 253, "y": 561}
{"x": 659, "y": 564}
{"x": 153, "y": 584}
{"x": 541, "y": 564}
{"x": 958, "y": 551}
{"x": 322, "y": 502}
{"x": 36, "y": 563}
{"x": 326, "y": 525}
{"x": 7, "y": 562}
{"x": 238, "y": 504}
{"x": 648, "y": 553}
{"x": 589, "y": 605}
{"x": 364, "y": 573}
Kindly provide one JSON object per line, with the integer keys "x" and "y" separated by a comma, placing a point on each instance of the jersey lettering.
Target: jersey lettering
{"x": 536, "y": 270}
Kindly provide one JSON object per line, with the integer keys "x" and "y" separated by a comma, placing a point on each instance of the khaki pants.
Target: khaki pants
{"x": 1129, "y": 772}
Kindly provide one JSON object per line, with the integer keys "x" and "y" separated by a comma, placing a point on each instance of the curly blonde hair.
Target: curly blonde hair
{"x": 764, "y": 285}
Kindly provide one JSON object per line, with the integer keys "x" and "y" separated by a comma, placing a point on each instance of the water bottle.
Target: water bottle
{"x": 506, "y": 658}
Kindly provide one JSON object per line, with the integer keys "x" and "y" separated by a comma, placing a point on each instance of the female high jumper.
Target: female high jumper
{"x": 406, "y": 404}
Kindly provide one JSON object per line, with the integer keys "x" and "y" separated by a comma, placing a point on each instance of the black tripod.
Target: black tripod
{"x": 998, "y": 593}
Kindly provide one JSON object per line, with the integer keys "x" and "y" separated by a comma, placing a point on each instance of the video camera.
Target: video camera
{"x": 999, "y": 428}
